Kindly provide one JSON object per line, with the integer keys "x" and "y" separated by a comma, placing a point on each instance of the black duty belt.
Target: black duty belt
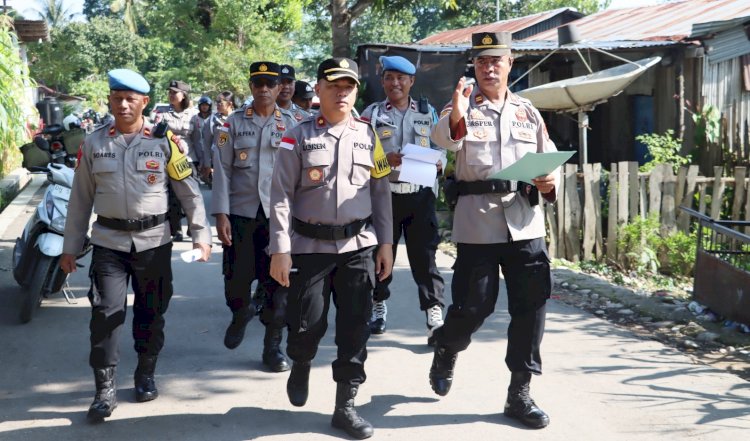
{"x": 488, "y": 186}
{"x": 330, "y": 232}
{"x": 132, "y": 224}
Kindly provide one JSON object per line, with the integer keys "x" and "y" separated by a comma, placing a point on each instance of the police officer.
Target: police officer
{"x": 244, "y": 158}
{"x": 496, "y": 223}
{"x": 179, "y": 119}
{"x": 284, "y": 100}
{"x": 123, "y": 173}
{"x": 331, "y": 208}
{"x": 400, "y": 120}
{"x": 303, "y": 95}
{"x": 224, "y": 106}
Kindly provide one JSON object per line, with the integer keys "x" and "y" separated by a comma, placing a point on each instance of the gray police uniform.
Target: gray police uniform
{"x": 208, "y": 133}
{"x": 329, "y": 213}
{"x": 297, "y": 112}
{"x": 413, "y": 205}
{"x": 244, "y": 158}
{"x": 126, "y": 186}
{"x": 496, "y": 225}
{"x": 181, "y": 125}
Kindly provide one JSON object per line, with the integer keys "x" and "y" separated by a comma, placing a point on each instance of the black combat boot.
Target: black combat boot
{"x": 145, "y": 386}
{"x": 345, "y": 416}
{"x": 105, "y": 400}
{"x": 297, "y": 387}
{"x": 441, "y": 372}
{"x": 236, "y": 330}
{"x": 272, "y": 355}
{"x": 520, "y": 405}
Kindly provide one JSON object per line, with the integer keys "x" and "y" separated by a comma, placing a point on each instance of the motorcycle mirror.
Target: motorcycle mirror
{"x": 42, "y": 143}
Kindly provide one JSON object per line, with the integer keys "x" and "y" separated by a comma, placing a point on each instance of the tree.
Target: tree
{"x": 97, "y": 8}
{"x": 130, "y": 11}
{"x": 14, "y": 106}
{"x": 54, "y": 12}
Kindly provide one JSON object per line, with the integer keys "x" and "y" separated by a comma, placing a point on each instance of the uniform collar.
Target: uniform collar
{"x": 389, "y": 106}
{"x": 322, "y": 123}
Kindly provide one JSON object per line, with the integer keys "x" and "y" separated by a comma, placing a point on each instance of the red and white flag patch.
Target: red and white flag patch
{"x": 287, "y": 143}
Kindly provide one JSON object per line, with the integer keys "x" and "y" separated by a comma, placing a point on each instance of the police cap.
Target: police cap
{"x": 303, "y": 89}
{"x": 398, "y": 64}
{"x": 493, "y": 44}
{"x": 334, "y": 68}
{"x": 265, "y": 70}
{"x": 287, "y": 72}
{"x": 126, "y": 79}
{"x": 179, "y": 86}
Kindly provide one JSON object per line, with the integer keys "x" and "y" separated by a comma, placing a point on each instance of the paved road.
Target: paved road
{"x": 600, "y": 382}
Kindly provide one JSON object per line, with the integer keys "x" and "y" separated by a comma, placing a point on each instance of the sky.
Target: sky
{"x": 77, "y": 5}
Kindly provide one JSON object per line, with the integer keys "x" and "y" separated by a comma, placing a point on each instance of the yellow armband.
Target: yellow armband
{"x": 381, "y": 162}
{"x": 179, "y": 164}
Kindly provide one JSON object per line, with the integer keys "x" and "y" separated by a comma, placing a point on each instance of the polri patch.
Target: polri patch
{"x": 223, "y": 138}
{"x": 151, "y": 178}
{"x": 315, "y": 174}
{"x": 152, "y": 165}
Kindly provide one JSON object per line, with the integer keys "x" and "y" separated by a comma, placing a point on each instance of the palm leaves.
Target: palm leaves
{"x": 55, "y": 12}
{"x": 130, "y": 12}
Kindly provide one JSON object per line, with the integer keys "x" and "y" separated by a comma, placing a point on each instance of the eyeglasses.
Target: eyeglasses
{"x": 483, "y": 62}
{"x": 263, "y": 82}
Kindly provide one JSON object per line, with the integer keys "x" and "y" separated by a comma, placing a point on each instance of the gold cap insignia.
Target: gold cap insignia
{"x": 344, "y": 64}
{"x": 487, "y": 39}
{"x": 263, "y": 68}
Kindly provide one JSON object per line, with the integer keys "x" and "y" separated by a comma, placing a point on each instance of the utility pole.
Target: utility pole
{"x": 497, "y": 10}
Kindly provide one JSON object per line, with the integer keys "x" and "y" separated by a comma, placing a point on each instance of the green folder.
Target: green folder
{"x": 533, "y": 165}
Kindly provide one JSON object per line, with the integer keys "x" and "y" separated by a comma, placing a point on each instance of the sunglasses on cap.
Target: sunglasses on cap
{"x": 261, "y": 82}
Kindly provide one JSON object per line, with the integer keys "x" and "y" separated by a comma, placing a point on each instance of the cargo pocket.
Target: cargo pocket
{"x": 151, "y": 175}
{"x": 243, "y": 152}
{"x": 103, "y": 170}
{"x": 478, "y": 153}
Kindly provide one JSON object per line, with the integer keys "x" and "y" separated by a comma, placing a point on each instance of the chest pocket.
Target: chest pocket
{"x": 105, "y": 175}
{"x": 316, "y": 168}
{"x": 361, "y": 166}
{"x": 524, "y": 140}
{"x": 244, "y": 149}
{"x": 151, "y": 174}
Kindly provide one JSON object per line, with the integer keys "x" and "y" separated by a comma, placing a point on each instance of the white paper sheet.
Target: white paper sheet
{"x": 418, "y": 165}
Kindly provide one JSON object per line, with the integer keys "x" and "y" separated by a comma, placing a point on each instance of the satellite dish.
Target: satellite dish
{"x": 584, "y": 92}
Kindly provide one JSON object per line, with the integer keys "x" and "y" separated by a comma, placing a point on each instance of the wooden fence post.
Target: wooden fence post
{"x": 739, "y": 192}
{"x": 718, "y": 193}
{"x": 632, "y": 172}
{"x": 596, "y": 171}
{"x": 702, "y": 197}
{"x": 668, "y": 221}
{"x": 589, "y": 216}
{"x": 613, "y": 216}
{"x": 561, "y": 251}
{"x": 572, "y": 214}
{"x": 654, "y": 190}
{"x": 549, "y": 213}
{"x": 622, "y": 193}
{"x": 683, "y": 221}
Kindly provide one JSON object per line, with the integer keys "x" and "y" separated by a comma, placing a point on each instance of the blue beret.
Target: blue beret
{"x": 399, "y": 64}
{"x": 126, "y": 79}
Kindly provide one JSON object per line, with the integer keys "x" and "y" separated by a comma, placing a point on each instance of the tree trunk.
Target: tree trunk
{"x": 341, "y": 24}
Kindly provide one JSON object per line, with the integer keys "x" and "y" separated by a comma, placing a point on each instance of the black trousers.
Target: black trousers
{"x": 245, "y": 261}
{"x": 151, "y": 274}
{"x": 475, "y": 287}
{"x": 350, "y": 277}
{"x": 414, "y": 215}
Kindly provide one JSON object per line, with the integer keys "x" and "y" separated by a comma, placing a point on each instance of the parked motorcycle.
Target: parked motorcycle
{"x": 36, "y": 254}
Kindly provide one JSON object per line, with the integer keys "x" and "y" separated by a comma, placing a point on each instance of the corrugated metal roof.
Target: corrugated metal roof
{"x": 666, "y": 22}
{"x": 458, "y": 36}
{"x": 534, "y": 46}
{"x": 726, "y": 45}
{"x": 712, "y": 27}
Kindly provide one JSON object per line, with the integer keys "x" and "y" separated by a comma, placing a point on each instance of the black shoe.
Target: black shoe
{"x": 236, "y": 330}
{"x": 377, "y": 321}
{"x": 105, "y": 400}
{"x": 377, "y": 326}
{"x": 519, "y": 404}
{"x": 441, "y": 372}
{"x": 345, "y": 416}
{"x": 297, "y": 386}
{"x": 273, "y": 358}
{"x": 177, "y": 237}
{"x": 145, "y": 386}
